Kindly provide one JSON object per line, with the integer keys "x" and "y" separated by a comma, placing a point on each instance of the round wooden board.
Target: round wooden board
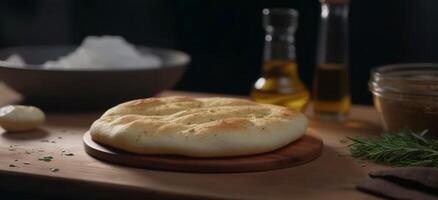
{"x": 299, "y": 152}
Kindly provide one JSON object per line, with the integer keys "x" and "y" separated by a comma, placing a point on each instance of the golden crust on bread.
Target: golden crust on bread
{"x": 200, "y": 127}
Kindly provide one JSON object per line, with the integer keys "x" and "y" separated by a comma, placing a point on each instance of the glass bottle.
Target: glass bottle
{"x": 331, "y": 84}
{"x": 279, "y": 82}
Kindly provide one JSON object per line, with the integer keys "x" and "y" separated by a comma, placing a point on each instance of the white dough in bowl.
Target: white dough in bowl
{"x": 105, "y": 52}
{"x": 16, "y": 60}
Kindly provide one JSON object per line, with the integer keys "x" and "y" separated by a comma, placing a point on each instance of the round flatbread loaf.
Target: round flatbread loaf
{"x": 198, "y": 127}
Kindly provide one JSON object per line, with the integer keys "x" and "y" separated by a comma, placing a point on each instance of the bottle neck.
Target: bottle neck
{"x": 333, "y": 34}
{"x": 279, "y": 45}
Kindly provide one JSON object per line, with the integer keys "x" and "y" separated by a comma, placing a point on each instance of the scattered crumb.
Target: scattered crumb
{"x": 54, "y": 169}
{"x": 59, "y": 137}
{"x": 69, "y": 154}
{"x": 26, "y": 163}
{"x": 15, "y": 160}
{"x": 27, "y": 152}
{"x": 11, "y": 165}
{"x": 63, "y": 151}
{"x": 53, "y": 141}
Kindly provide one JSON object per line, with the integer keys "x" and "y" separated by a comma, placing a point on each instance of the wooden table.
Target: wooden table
{"x": 332, "y": 176}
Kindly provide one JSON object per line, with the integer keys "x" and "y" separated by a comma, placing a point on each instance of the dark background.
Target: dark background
{"x": 225, "y": 38}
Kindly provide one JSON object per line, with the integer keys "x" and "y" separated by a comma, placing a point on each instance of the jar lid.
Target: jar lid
{"x": 412, "y": 78}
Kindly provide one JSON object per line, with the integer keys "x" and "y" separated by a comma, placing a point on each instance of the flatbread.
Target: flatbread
{"x": 198, "y": 127}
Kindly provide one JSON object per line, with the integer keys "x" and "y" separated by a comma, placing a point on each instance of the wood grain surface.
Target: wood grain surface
{"x": 333, "y": 175}
{"x": 299, "y": 152}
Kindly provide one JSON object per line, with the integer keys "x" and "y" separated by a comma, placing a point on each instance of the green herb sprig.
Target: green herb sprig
{"x": 403, "y": 148}
{"x": 46, "y": 158}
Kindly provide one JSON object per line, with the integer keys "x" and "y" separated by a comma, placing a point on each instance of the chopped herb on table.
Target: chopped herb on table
{"x": 402, "y": 148}
{"x": 46, "y": 158}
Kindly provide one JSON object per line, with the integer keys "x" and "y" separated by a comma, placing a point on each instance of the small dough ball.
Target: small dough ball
{"x": 14, "y": 118}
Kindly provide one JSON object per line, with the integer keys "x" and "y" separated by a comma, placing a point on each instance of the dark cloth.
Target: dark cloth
{"x": 403, "y": 183}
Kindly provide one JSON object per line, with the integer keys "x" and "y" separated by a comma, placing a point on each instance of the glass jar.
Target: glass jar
{"x": 406, "y": 96}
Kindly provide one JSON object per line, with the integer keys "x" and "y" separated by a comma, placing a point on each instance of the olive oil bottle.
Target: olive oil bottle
{"x": 279, "y": 82}
{"x": 332, "y": 81}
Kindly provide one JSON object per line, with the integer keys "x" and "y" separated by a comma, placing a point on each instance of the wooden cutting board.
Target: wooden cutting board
{"x": 334, "y": 175}
{"x": 299, "y": 152}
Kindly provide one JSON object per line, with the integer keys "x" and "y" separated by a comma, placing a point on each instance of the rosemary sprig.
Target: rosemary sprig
{"x": 403, "y": 148}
